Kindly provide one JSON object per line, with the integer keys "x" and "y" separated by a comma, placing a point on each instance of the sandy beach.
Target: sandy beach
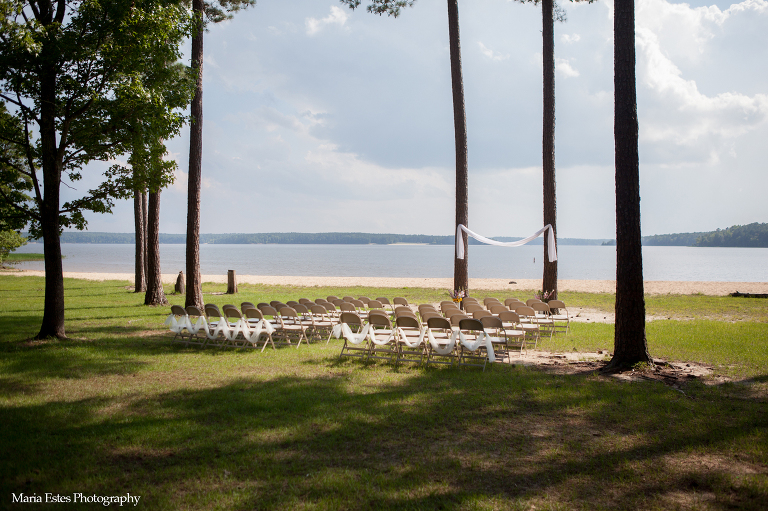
{"x": 588, "y": 286}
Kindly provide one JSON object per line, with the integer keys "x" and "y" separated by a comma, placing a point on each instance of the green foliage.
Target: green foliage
{"x": 751, "y": 235}
{"x": 10, "y": 241}
{"x": 87, "y": 81}
{"x": 682, "y": 239}
{"x": 221, "y": 10}
{"x": 388, "y": 7}
{"x": 14, "y": 184}
{"x": 19, "y": 258}
{"x": 558, "y": 13}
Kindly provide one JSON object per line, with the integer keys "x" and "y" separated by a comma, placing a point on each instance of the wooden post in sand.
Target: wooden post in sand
{"x": 231, "y": 282}
{"x": 179, "y": 288}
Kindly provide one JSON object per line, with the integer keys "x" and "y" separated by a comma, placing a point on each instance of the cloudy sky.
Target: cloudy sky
{"x": 319, "y": 118}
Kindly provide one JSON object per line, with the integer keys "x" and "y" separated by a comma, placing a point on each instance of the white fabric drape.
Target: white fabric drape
{"x": 355, "y": 338}
{"x": 483, "y": 339}
{"x": 178, "y": 325}
{"x": 218, "y": 327}
{"x": 411, "y": 344}
{"x": 200, "y": 325}
{"x": 550, "y": 241}
{"x": 251, "y": 331}
{"x": 439, "y": 348}
{"x": 379, "y": 341}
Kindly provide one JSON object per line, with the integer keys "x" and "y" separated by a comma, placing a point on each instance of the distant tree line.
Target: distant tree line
{"x": 298, "y": 238}
{"x": 751, "y": 235}
{"x": 680, "y": 239}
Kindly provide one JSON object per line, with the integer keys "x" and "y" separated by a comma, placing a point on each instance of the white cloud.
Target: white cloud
{"x": 180, "y": 179}
{"x": 208, "y": 60}
{"x": 337, "y": 16}
{"x": 570, "y": 39}
{"x": 493, "y": 55}
{"x": 684, "y": 116}
{"x": 269, "y": 119}
{"x": 686, "y": 32}
{"x": 345, "y": 167}
{"x": 565, "y": 69}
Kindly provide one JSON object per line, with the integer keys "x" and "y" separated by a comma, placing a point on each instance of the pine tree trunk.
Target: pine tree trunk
{"x": 231, "y": 282}
{"x": 461, "y": 266}
{"x": 155, "y": 294}
{"x": 549, "y": 281}
{"x": 145, "y": 223}
{"x": 630, "y": 346}
{"x": 53, "y": 305}
{"x": 179, "y": 287}
{"x": 140, "y": 283}
{"x": 194, "y": 294}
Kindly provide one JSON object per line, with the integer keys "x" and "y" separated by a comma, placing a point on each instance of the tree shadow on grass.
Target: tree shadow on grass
{"x": 757, "y": 379}
{"x": 66, "y": 363}
{"x": 427, "y": 440}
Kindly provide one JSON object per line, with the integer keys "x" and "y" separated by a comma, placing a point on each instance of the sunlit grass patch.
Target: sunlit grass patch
{"x": 14, "y": 257}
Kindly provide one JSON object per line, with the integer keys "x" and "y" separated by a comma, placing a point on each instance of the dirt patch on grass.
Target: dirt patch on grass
{"x": 670, "y": 373}
{"x": 694, "y": 462}
{"x": 33, "y": 343}
{"x": 587, "y": 315}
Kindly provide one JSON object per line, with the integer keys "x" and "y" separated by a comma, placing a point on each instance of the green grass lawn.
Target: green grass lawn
{"x": 19, "y": 258}
{"x": 118, "y": 408}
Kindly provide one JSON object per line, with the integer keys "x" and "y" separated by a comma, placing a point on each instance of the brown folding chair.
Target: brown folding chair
{"x": 560, "y": 316}
{"x": 253, "y": 316}
{"x": 382, "y": 329}
{"x": 409, "y": 349}
{"x": 513, "y": 329}
{"x": 441, "y": 331}
{"x": 292, "y": 325}
{"x": 472, "y": 328}
{"x": 350, "y": 348}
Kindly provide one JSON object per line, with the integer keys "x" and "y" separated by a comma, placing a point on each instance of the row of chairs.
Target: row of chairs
{"x": 513, "y": 329}
{"x": 533, "y": 321}
{"x": 408, "y": 340}
{"x": 304, "y": 320}
{"x": 269, "y": 323}
{"x": 449, "y": 336}
{"x": 275, "y": 323}
{"x": 552, "y": 317}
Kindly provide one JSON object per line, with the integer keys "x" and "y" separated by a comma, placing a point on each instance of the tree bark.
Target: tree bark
{"x": 155, "y": 294}
{"x": 145, "y": 222}
{"x": 231, "y": 282}
{"x": 549, "y": 280}
{"x": 194, "y": 295}
{"x": 140, "y": 282}
{"x": 630, "y": 346}
{"x": 179, "y": 288}
{"x": 460, "y": 266}
{"x": 53, "y": 308}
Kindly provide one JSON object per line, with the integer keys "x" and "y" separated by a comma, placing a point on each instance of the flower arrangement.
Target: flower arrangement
{"x": 545, "y": 296}
{"x": 457, "y": 295}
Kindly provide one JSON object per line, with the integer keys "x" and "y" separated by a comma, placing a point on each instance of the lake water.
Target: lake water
{"x": 426, "y": 261}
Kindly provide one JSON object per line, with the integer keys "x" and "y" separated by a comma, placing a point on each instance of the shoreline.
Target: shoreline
{"x": 586, "y": 286}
